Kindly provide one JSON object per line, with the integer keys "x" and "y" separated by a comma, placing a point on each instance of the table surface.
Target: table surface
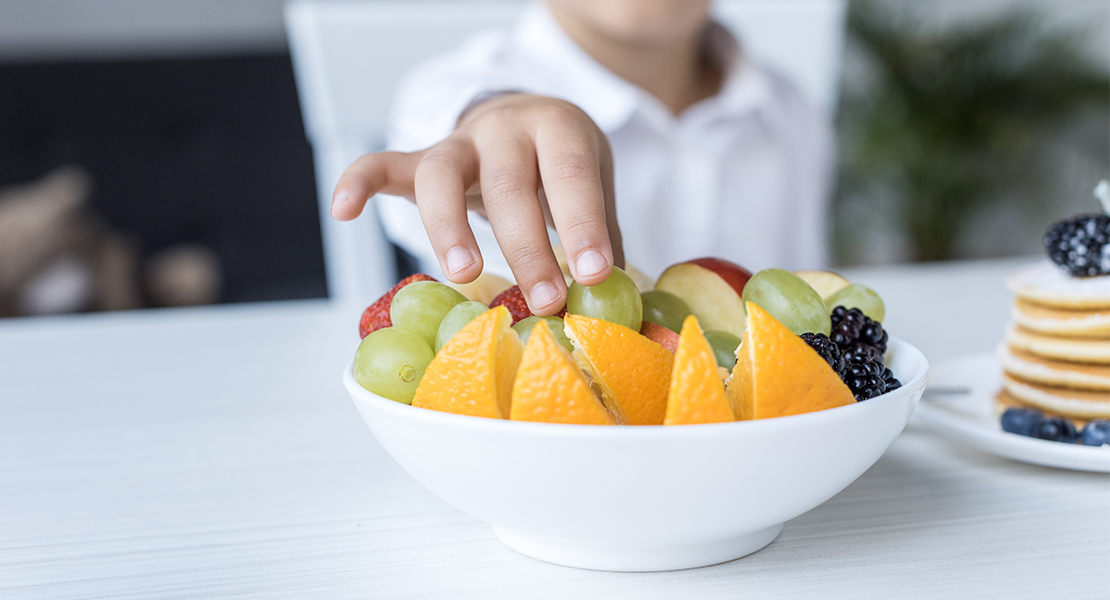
{"x": 213, "y": 452}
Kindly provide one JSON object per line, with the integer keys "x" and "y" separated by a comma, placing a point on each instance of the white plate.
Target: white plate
{"x": 970, "y": 418}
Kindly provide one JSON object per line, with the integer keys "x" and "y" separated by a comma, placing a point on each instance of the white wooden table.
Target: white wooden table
{"x": 213, "y": 452}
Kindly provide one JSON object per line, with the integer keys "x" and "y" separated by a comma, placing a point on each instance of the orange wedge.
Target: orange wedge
{"x": 697, "y": 394}
{"x": 550, "y": 388}
{"x": 778, "y": 374}
{"x": 473, "y": 372}
{"x": 631, "y": 372}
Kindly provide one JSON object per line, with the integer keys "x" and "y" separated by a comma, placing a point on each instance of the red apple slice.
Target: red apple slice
{"x": 825, "y": 283}
{"x": 660, "y": 335}
{"x": 712, "y": 288}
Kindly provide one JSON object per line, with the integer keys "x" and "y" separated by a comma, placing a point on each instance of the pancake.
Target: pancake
{"x": 1033, "y": 369}
{"x": 1002, "y": 401}
{"x": 1086, "y": 351}
{"x": 1091, "y": 323}
{"x": 1045, "y": 284}
{"x": 1070, "y": 403}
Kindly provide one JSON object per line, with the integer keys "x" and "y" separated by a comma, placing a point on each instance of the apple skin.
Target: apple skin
{"x": 713, "y": 289}
{"x": 660, "y": 335}
{"x": 825, "y": 283}
{"x": 733, "y": 274}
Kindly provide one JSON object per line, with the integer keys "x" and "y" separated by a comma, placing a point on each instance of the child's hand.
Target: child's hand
{"x": 521, "y": 160}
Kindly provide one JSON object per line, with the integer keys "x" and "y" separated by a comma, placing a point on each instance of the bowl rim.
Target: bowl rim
{"x": 920, "y": 376}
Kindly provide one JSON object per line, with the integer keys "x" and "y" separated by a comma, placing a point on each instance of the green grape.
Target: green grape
{"x": 421, "y": 306}
{"x": 617, "y": 300}
{"x": 858, "y": 296}
{"x": 724, "y": 347}
{"x": 665, "y": 309}
{"x": 790, "y": 300}
{"x": 457, "y": 318}
{"x": 391, "y": 361}
{"x": 554, "y": 325}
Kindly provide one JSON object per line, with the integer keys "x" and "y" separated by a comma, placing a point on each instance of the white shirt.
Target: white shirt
{"x": 743, "y": 175}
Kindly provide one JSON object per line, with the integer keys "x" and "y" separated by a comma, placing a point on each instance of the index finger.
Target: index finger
{"x": 381, "y": 172}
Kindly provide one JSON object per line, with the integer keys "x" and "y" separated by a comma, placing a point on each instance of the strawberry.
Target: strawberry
{"x": 513, "y": 300}
{"x": 376, "y": 316}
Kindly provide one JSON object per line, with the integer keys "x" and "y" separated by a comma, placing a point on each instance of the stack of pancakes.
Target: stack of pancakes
{"x": 1056, "y": 356}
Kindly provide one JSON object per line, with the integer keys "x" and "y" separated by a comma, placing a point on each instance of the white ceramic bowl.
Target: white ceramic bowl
{"x": 642, "y": 498}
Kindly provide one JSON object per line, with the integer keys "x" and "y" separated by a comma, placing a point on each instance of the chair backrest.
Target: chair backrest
{"x": 348, "y": 56}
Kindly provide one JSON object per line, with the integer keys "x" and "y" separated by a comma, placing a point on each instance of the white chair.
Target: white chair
{"x": 349, "y": 55}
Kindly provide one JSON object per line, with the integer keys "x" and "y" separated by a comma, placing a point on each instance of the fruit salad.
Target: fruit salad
{"x": 711, "y": 343}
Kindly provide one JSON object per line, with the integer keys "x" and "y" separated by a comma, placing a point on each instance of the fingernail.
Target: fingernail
{"x": 590, "y": 262}
{"x": 342, "y": 197}
{"x": 458, "y": 258}
{"x": 544, "y": 294}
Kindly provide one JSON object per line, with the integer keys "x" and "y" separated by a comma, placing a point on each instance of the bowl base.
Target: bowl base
{"x": 610, "y": 556}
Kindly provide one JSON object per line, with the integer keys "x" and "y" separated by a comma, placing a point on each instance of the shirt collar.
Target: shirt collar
{"x": 573, "y": 75}
{"x": 745, "y": 87}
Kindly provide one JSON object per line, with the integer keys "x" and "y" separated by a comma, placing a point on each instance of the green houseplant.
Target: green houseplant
{"x": 941, "y": 121}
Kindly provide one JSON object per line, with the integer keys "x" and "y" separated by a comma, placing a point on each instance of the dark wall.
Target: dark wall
{"x": 206, "y": 150}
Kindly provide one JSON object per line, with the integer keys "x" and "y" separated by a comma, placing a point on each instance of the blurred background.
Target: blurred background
{"x": 153, "y": 152}
{"x": 966, "y": 128}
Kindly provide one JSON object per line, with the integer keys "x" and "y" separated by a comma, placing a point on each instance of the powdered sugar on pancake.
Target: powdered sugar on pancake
{"x": 1045, "y": 283}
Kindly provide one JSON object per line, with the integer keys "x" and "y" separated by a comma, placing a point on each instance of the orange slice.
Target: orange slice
{"x": 473, "y": 372}
{"x": 550, "y": 388}
{"x": 697, "y": 394}
{"x": 630, "y": 372}
{"x": 778, "y": 374}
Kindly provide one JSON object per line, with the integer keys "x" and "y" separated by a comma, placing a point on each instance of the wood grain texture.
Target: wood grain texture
{"x": 214, "y": 453}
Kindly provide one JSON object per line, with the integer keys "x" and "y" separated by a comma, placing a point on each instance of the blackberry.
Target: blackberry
{"x": 1057, "y": 429}
{"x": 1080, "y": 245}
{"x": 891, "y": 383}
{"x": 846, "y": 325}
{"x": 864, "y": 350}
{"x": 852, "y": 329}
{"x": 865, "y": 378}
{"x": 873, "y": 334}
{"x": 828, "y": 351}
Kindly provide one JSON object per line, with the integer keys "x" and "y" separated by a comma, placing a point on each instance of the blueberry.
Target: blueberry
{"x": 1022, "y": 421}
{"x": 1096, "y": 433}
{"x": 1057, "y": 429}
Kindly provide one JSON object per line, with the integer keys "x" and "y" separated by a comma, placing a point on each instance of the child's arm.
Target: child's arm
{"x": 517, "y": 159}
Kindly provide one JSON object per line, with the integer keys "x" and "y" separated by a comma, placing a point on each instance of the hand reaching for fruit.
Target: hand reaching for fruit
{"x": 520, "y": 160}
{"x": 618, "y": 358}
